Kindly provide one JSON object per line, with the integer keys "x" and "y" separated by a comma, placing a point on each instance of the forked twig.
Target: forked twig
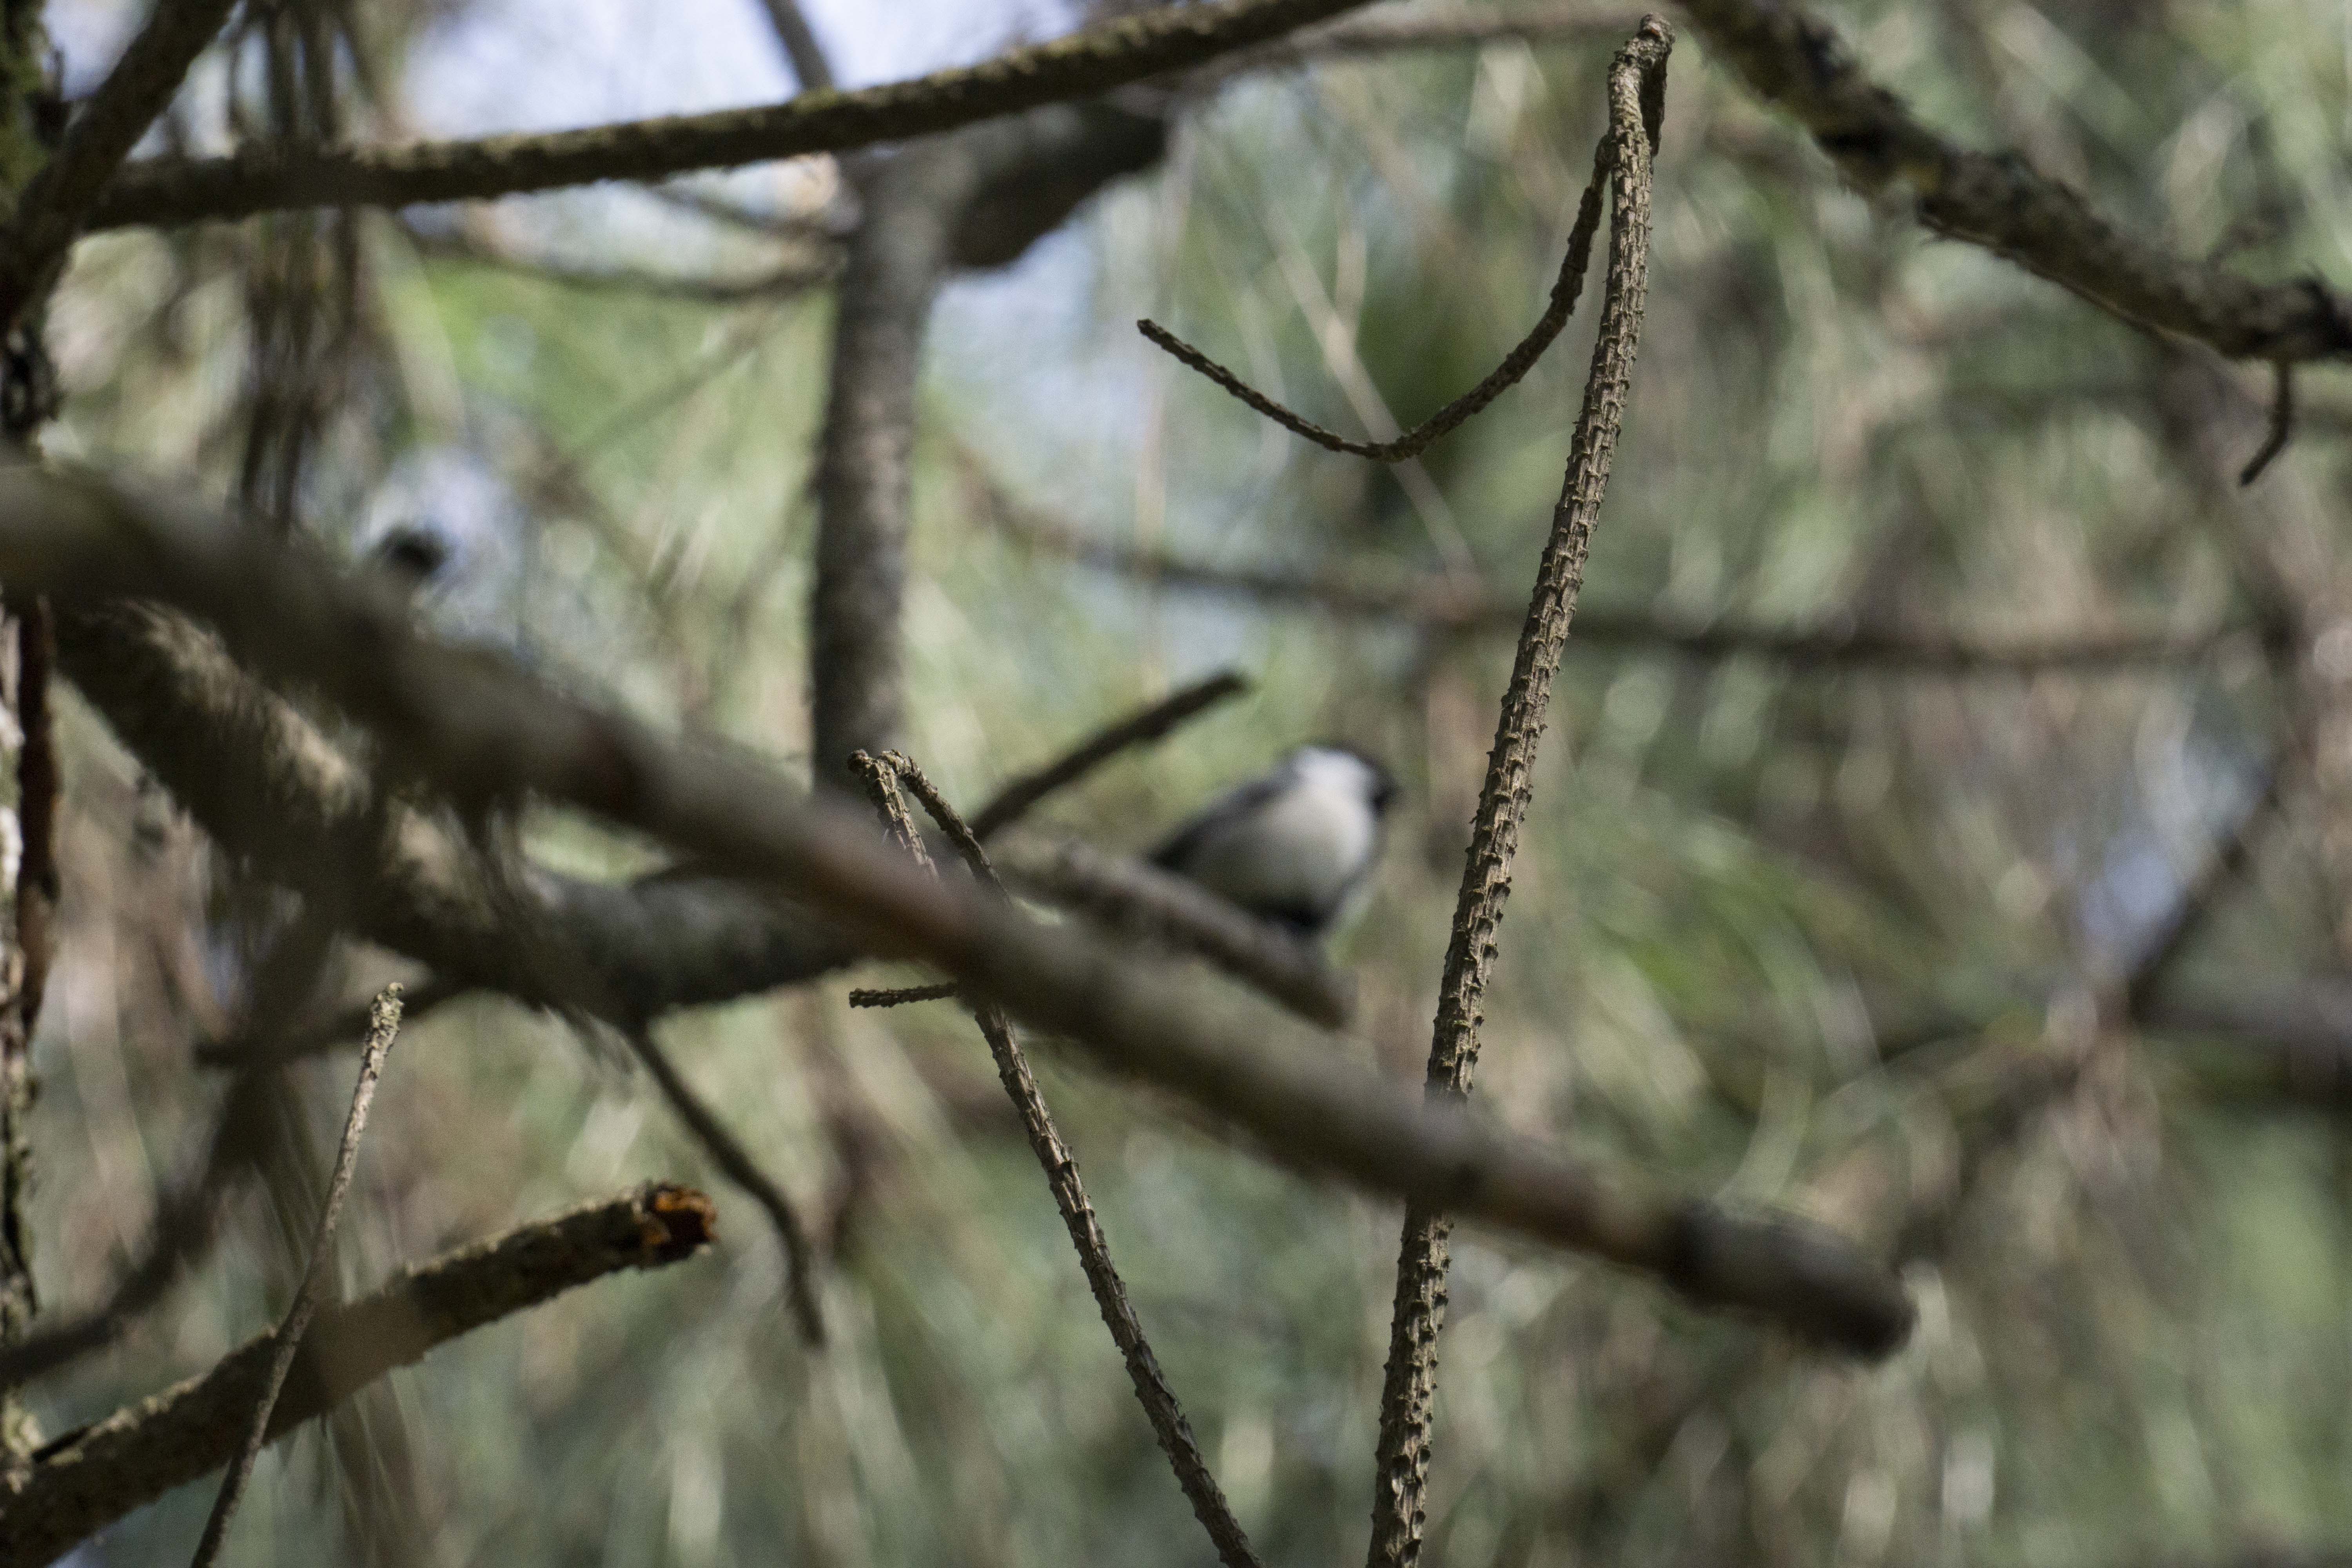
{"x": 885, "y": 777}
{"x": 1515, "y": 366}
{"x": 383, "y": 1027}
{"x": 1636, "y": 87}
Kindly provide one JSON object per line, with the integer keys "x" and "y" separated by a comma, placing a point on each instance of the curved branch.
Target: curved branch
{"x": 2004, "y": 204}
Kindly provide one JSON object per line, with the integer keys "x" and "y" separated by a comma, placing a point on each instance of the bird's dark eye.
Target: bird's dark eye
{"x": 414, "y": 552}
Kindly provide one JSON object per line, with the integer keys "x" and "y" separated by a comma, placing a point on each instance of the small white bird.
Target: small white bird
{"x": 1293, "y": 846}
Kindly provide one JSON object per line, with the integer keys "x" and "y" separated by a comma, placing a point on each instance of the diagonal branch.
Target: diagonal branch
{"x": 1409, "y": 1391}
{"x": 483, "y": 731}
{"x": 2004, "y": 204}
{"x": 383, "y": 1027}
{"x": 59, "y": 198}
{"x": 800, "y": 48}
{"x": 1061, "y": 1168}
{"x": 88, "y": 1479}
{"x": 1017, "y": 797}
{"x": 1086, "y": 64}
{"x": 727, "y": 1152}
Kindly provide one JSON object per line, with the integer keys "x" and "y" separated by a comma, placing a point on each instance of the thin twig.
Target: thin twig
{"x": 1151, "y": 1386}
{"x": 727, "y": 1152}
{"x": 1515, "y": 366}
{"x": 2281, "y": 424}
{"x": 86, "y": 1479}
{"x": 901, "y": 995}
{"x": 1019, "y": 796}
{"x": 383, "y": 1027}
{"x": 1636, "y": 86}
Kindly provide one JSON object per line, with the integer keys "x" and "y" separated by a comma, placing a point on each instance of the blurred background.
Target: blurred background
{"x": 1924, "y": 839}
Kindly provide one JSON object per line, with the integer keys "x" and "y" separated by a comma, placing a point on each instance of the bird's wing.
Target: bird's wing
{"x": 1180, "y": 845}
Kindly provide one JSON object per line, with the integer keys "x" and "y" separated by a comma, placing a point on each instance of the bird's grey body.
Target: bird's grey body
{"x": 1293, "y": 845}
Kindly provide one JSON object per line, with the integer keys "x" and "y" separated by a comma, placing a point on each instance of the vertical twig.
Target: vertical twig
{"x": 1637, "y": 89}
{"x": 384, "y": 1026}
{"x": 883, "y": 777}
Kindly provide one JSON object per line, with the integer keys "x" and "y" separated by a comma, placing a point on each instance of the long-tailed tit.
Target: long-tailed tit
{"x": 1293, "y": 846}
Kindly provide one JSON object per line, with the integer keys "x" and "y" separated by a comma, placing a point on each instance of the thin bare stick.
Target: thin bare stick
{"x": 1636, "y": 87}
{"x": 86, "y": 1479}
{"x": 1018, "y": 797}
{"x": 1515, "y": 366}
{"x": 735, "y": 1162}
{"x": 383, "y": 1027}
{"x": 902, "y": 996}
{"x": 1152, "y": 1387}
{"x": 2281, "y": 424}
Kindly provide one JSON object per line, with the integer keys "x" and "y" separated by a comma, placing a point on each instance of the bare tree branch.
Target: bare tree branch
{"x": 168, "y": 191}
{"x": 1411, "y": 443}
{"x": 978, "y": 197}
{"x": 1019, "y": 796}
{"x": 60, "y": 197}
{"x": 1409, "y": 1390}
{"x": 1151, "y": 1386}
{"x": 2002, "y": 203}
{"x": 86, "y": 1479}
{"x": 383, "y": 1027}
{"x": 801, "y": 51}
{"x": 483, "y": 729}
{"x": 272, "y": 789}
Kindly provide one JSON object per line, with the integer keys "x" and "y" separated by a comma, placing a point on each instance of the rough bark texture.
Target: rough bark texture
{"x": 1082, "y": 64}
{"x": 978, "y": 198}
{"x": 89, "y": 1479}
{"x": 1636, "y": 85}
{"x": 2002, "y": 203}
